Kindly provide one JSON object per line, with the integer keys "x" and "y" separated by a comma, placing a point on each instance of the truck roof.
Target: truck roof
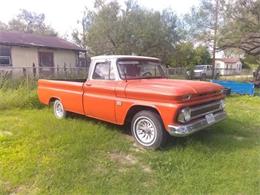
{"x": 122, "y": 56}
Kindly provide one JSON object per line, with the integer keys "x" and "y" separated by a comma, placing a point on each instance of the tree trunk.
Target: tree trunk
{"x": 215, "y": 38}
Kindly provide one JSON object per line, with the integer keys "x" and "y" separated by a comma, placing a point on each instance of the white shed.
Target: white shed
{"x": 228, "y": 66}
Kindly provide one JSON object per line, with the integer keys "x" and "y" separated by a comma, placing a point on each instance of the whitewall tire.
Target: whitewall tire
{"x": 58, "y": 110}
{"x": 148, "y": 130}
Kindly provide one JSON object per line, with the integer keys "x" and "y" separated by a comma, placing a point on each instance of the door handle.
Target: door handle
{"x": 88, "y": 84}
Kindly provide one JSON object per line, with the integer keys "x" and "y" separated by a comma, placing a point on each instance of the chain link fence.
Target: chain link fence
{"x": 29, "y": 75}
{"x": 32, "y": 73}
{"x": 44, "y": 72}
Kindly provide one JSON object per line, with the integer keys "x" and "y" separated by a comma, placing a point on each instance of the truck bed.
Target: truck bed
{"x": 70, "y": 92}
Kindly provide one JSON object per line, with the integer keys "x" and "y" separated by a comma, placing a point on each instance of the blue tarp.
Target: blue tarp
{"x": 242, "y": 88}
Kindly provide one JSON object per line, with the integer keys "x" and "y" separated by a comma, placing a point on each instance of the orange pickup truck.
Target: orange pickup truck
{"x": 135, "y": 90}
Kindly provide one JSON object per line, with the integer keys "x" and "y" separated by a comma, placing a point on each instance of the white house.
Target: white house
{"x": 228, "y": 66}
{"x": 22, "y": 51}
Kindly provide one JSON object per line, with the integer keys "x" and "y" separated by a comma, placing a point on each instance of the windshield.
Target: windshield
{"x": 199, "y": 67}
{"x": 139, "y": 69}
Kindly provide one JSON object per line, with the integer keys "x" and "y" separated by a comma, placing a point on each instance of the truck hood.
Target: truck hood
{"x": 168, "y": 89}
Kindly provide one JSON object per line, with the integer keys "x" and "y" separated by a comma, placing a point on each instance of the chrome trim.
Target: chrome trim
{"x": 205, "y": 106}
{"x": 193, "y": 109}
{"x": 205, "y": 113}
{"x": 184, "y": 130}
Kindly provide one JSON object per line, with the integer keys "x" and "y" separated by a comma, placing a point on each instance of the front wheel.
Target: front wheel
{"x": 148, "y": 130}
{"x": 58, "y": 110}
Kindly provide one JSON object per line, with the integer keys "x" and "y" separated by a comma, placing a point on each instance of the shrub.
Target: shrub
{"x": 21, "y": 97}
{"x": 6, "y": 83}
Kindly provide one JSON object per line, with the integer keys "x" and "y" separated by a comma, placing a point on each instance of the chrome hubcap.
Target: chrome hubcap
{"x": 58, "y": 109}
{"x": 145, "y": 131}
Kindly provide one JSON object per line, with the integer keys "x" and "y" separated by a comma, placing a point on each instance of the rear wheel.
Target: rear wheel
{"x": 148, "y": 130}
{"x": 58, "y": 110}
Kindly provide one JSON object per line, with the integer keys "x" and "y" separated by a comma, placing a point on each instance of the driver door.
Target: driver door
{"x": 99, "y": 93}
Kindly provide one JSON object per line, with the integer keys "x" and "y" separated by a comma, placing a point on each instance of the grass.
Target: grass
{"x": 257, "y": 91}
{"x": 42, "y": 155}
{"x": 241, "y": 78}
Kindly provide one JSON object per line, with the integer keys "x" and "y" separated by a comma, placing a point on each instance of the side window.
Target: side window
{"x": 103, "y": 71}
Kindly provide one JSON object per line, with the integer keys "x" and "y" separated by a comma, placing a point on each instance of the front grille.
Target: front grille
{"x": 206, "y": 95}
{"x": 202, "y": 110}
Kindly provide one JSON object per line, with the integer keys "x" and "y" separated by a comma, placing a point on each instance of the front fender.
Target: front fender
{"x": 167, "y": 111}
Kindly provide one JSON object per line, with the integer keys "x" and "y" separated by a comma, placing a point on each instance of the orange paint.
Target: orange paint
{"x": 110, "y": 100}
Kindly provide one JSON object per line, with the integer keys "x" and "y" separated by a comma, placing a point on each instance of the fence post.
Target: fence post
{"x": 27, "y": 80}
{"x": 65, "y": 70}
{"x": 24, "y": 72}
{"x": 34, "y": 71}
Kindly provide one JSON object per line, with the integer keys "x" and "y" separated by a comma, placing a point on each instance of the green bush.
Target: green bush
{"x": 21, "y": 97}
{"x": 7, "y": 83}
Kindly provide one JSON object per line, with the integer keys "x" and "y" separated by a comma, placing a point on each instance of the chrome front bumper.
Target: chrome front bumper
{"x": 184, "y": 130}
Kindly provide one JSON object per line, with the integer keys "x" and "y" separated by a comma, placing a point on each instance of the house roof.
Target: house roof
{"x": 229, "y": 60}
{"x": 34, "y": 40}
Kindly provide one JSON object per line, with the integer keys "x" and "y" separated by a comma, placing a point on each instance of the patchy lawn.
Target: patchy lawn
{"x": 40, "y": 154}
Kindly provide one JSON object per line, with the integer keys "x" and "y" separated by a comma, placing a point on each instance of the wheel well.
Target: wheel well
{"x": 135, "y": 109}
{"x": 52, "y": 100}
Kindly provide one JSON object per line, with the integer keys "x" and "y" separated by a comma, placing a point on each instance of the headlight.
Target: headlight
{"x": 222, "y": 104}
{"x": 184, "y": 115}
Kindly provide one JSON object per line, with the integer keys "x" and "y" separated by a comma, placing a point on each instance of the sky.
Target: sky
{"x": 63, "y": 15}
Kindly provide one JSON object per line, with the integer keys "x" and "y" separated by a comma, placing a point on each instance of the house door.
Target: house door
{"x": 46, "y": 64}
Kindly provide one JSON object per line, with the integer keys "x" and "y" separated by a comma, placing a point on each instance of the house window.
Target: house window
{"x": 46, "y": 59}
{"x": 5, "y": 56}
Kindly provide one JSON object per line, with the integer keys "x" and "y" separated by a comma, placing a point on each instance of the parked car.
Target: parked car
{"x": 135, "y": 90}
{"x": 202, "y": 72}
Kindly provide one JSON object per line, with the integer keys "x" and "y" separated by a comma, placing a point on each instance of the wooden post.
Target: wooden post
{"x": 27, "y": 80}
{"x": 34, "y": 71}
{"x": 215, "y": 38}
{"x": 24, "y": 72}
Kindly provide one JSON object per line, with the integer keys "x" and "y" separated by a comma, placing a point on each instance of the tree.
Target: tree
{"x": 109, "y": 29}
{"x": 186, "y": 55}
{"x": 202, "y": 55}
{"x": 30, "y": 22}
{"x": 203, "y": 24}
{"x": 250, "y": 62}
{"x": 242, "y": 26}
{"x": 183, "y": 55}
{"x": 3, "y": 26}
{"x": 80, "y": 35}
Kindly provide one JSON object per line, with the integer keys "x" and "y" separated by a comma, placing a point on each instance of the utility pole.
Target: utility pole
{"x": 215, "y": 37}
